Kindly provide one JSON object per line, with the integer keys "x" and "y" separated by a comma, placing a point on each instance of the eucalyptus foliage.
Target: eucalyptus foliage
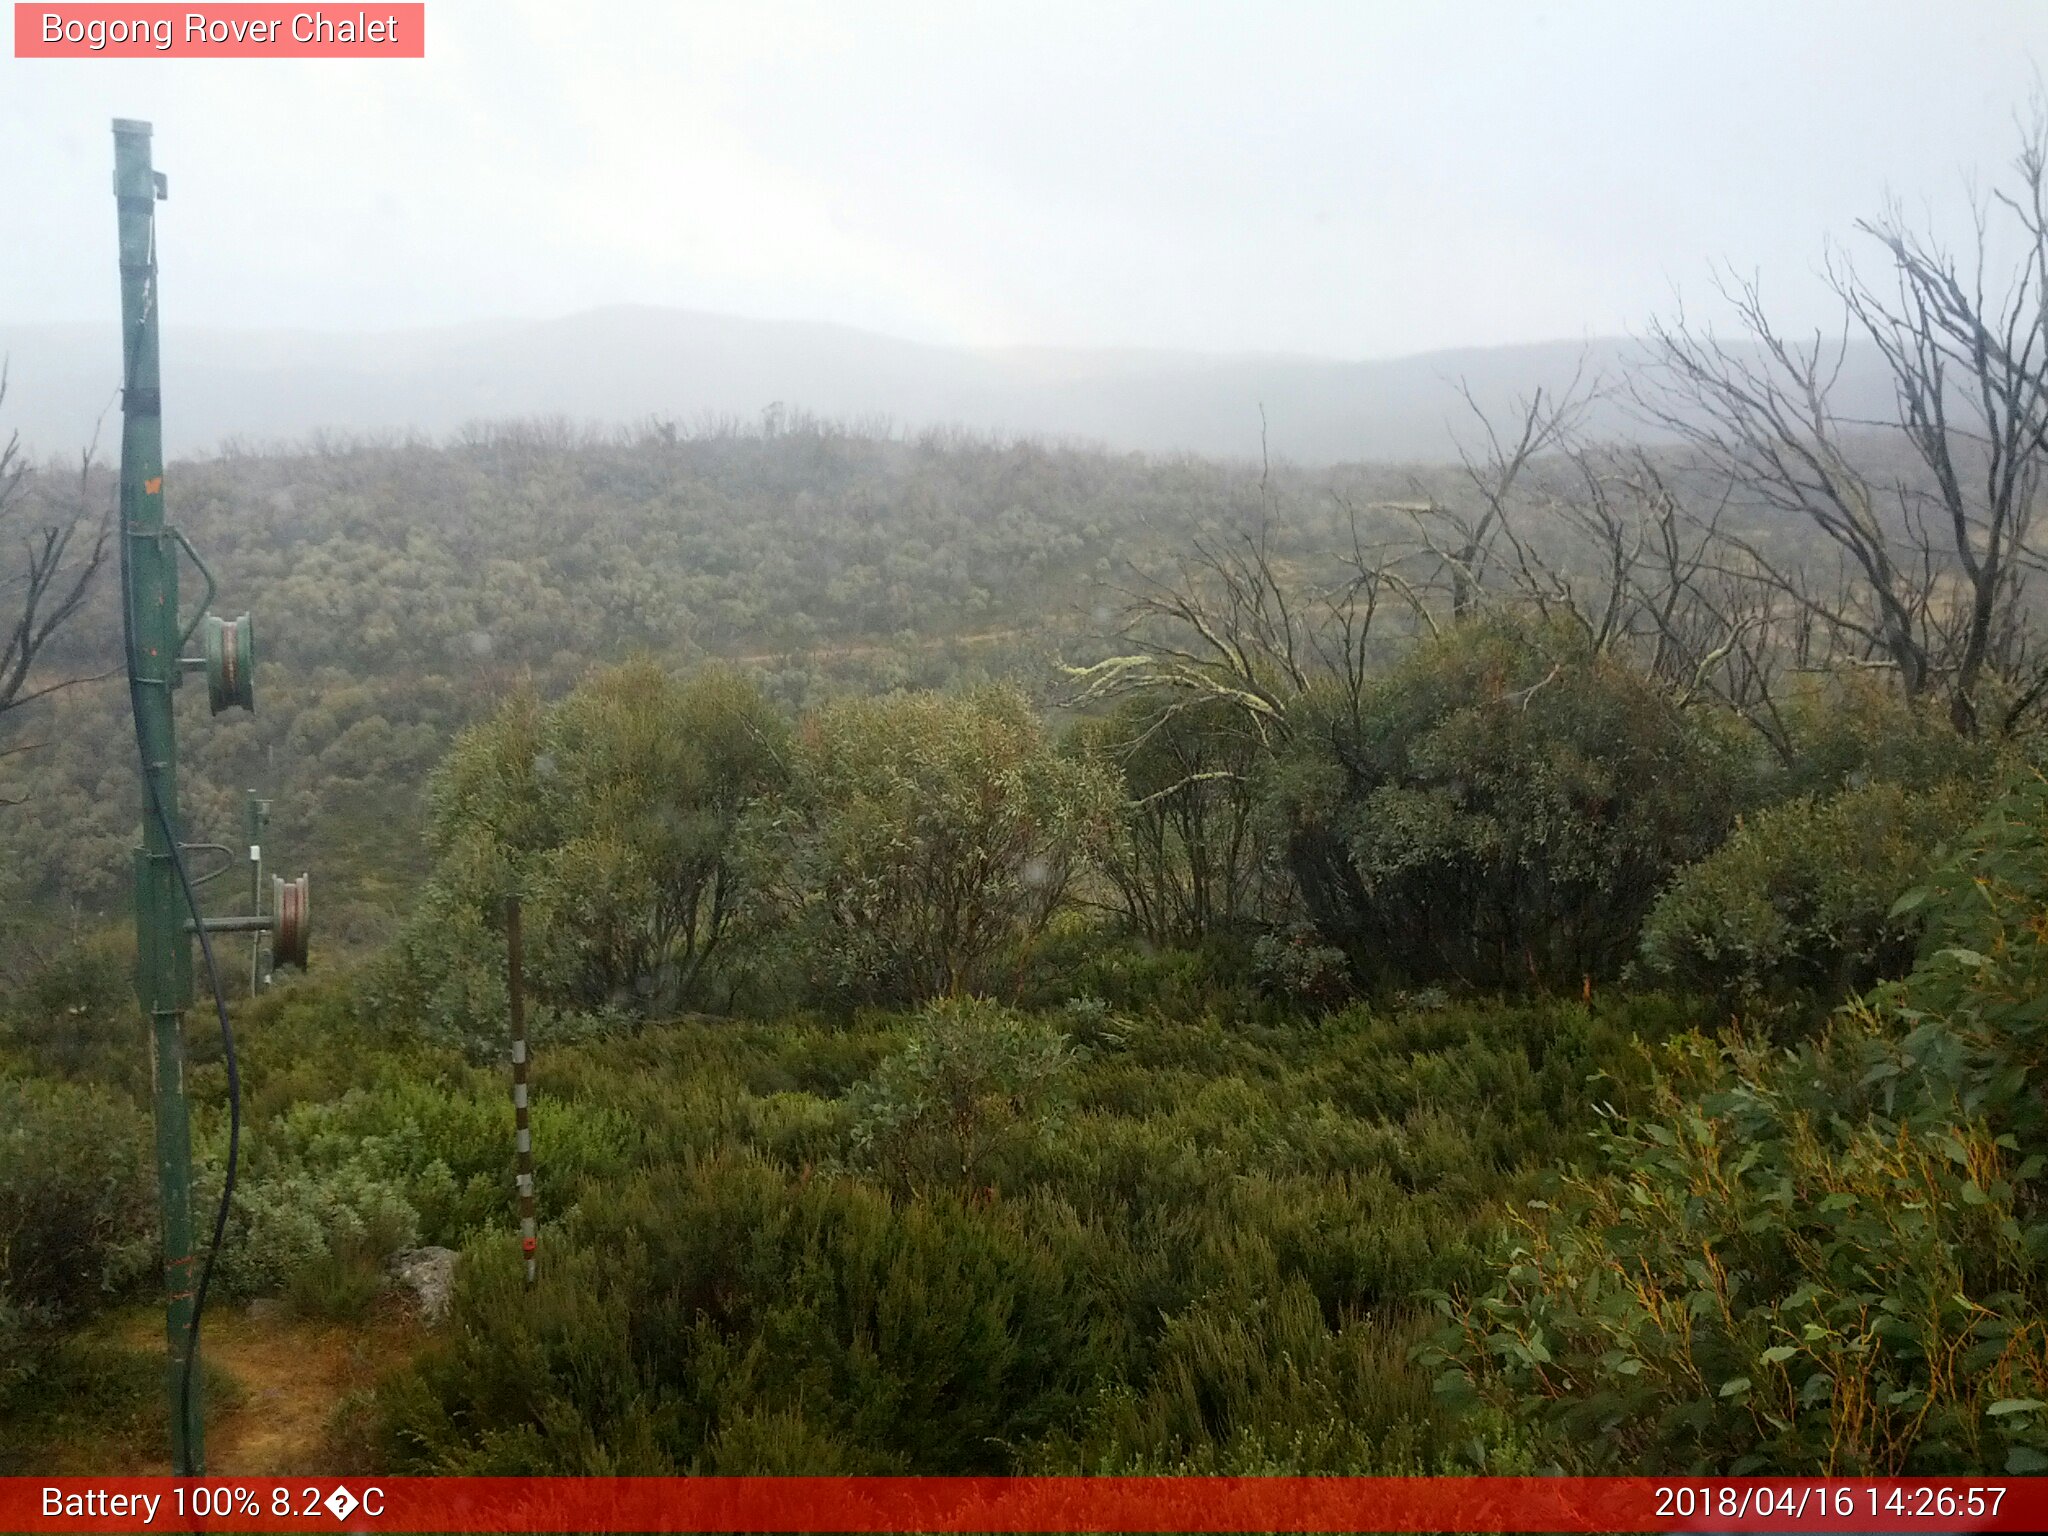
{"x": 612, "y": 815}
{"x": 1798, "y": 901}
{"x": 1831, "y": 1260}
{"x": 924, "y": 841}
{"x": 1501, "y": 807}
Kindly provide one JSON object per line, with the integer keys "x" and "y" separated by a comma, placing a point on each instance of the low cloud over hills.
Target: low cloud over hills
{"x": 625, "y": 364}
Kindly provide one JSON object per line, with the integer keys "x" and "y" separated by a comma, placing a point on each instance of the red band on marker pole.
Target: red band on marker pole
{"x": 375, "y": 30}
{"x": 1052, "y": 1504}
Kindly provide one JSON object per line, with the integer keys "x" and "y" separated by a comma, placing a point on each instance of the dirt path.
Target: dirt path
{"x": 291, "y": 1378}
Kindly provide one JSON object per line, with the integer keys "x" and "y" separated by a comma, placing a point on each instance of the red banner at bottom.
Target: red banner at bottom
{"x": 1051, "y": 1504}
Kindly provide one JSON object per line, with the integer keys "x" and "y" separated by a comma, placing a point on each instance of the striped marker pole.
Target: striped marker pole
{"x": 522, "y": 1135}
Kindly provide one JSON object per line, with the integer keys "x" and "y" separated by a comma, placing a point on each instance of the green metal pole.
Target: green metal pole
{"x": 163, "y": 951}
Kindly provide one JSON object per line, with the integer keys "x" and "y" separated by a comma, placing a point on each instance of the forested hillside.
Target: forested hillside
{"x": 399, "y": 591}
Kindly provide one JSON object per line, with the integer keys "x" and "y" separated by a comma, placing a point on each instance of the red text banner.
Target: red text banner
{"x": 241, "y": 31}
{"x": 1051, "y": 1504}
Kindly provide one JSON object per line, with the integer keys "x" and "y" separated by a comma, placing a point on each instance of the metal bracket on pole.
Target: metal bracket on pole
{"x": 205, "y": 575}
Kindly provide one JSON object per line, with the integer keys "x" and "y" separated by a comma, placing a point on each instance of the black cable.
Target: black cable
{"x": 170, "y": 830}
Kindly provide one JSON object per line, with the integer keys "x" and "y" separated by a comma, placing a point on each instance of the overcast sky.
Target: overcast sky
{"x": 1353, "y": 179}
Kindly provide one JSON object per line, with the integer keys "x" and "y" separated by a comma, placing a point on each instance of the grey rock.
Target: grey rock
{"x": 429, "y": 1273}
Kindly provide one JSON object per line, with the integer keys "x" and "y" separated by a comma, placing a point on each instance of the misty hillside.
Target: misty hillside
{"x": 625, "y": 364}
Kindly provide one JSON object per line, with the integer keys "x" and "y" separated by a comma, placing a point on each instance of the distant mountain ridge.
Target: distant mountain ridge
{"x": 625, "y": 364}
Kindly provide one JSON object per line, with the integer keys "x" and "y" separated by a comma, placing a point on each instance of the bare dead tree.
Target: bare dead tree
{"x": 1461, "y": 538}
{"x": 1968, "y": 353}
{"x": 49, "y": 587}
{"x": 1609, "y": 551}
{"x": 1578, "y": 560}
{"x": 1759, "y": 416}
{"x": 1936, "y": 561}
{"x": 1594, "y": 540}
{"x": 1221, "y": 628}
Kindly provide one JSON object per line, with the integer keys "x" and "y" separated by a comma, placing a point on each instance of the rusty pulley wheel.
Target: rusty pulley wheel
{"x": 230, "y": 663}
{"x": 293, "y": 919}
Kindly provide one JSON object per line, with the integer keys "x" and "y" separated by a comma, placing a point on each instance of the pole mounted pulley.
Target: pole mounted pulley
{"x": 291, "y": 907}
{"x": 230, "y": 663}
{"x": 288, "y": 922}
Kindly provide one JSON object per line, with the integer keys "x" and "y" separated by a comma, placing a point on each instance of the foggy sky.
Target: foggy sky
{"x": 1349, "y": 179}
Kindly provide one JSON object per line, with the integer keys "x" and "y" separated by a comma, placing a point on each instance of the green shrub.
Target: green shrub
{"x": 1798, "y": 901}
{"x": 925, "y": 842}
{"x": 73, "y": 1014}
{"x": 1500, "y": 809}
{"x": 1251, "y": 1383}
{"x": 1846, "y": 731}
{"x": 1133, "y": 975}
{"x": 972, "y": 1080}
{"x": 76, "y": 1196}
{"x": 1833, "y": 1260}
{"x": 707, "y": 1298}
{"x": 330, "y": 1189}
{"x": 97, "y": 1397}
{"x": 1755, "y": 1284}
{"x": 76, "y": 1216}
{"x": 1213, "y": 1265}
{"x": 1295, "y": 967}
{"x": 612, "y": 813}
{"x": 284, "y": 1227}
{"x": 1977, "y": 1002}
